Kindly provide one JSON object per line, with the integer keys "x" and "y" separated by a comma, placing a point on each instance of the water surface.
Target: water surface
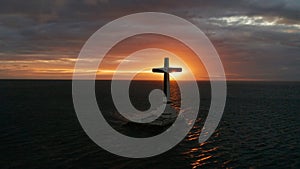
{"x": 260, "y": 128}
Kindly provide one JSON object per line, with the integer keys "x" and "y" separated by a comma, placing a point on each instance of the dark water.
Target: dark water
{"x": 260, "y": 128}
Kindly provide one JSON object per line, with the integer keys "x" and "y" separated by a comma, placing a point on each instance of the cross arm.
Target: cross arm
{"x": 167, "y": 70}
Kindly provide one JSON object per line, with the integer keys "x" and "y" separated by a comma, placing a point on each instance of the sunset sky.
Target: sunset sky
{"x": 255, "y": 40}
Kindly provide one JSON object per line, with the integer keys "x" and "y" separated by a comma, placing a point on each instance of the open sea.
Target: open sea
{"x": 260, "y": 128}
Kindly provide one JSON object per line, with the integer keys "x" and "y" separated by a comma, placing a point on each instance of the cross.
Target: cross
{"x": 166, "y": 70}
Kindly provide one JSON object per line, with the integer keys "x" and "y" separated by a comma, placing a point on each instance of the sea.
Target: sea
{"x": 39, "y": 128}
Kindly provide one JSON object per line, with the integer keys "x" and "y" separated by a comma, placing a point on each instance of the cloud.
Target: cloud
{"x": 254, "y": 21}
{"x": 254, "y": 38}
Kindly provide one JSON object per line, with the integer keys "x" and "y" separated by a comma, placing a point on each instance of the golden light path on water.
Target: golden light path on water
{"x": 201, "y": 154}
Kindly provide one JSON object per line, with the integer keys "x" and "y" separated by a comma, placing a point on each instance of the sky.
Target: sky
{"x": 255, "y": 40}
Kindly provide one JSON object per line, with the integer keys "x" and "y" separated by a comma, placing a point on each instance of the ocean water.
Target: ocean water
{"x": 260, "y": 128}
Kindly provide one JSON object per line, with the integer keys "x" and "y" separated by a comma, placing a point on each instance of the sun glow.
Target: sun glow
{"x": 132, "y": 58}
{"x": 138, "y": 66}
